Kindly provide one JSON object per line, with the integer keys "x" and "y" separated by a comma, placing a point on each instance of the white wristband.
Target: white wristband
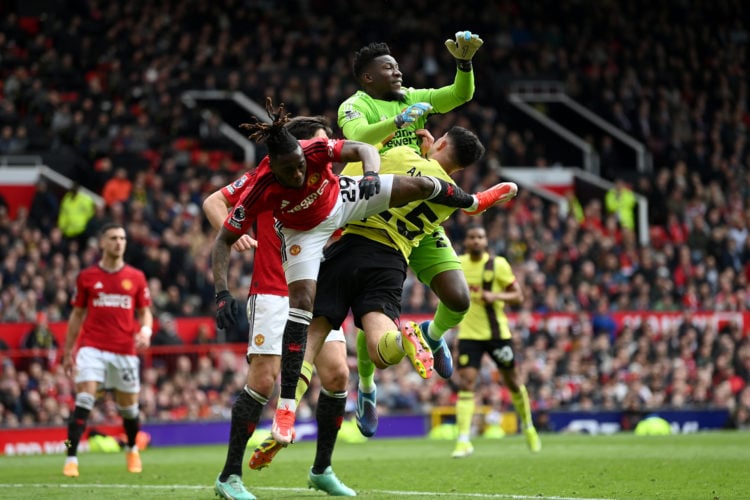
{"x": 146, "y": 331}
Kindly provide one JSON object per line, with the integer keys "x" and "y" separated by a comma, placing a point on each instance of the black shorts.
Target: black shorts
{"x": 500, "y": 350}
{"x": 361, "y": 275}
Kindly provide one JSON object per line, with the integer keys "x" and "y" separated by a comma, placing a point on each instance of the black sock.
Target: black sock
{"x": 132, "y": 426}
{"x": 329, "y": 415}
{"x": 451, "y": 195}
{"x": 292, "y": 355}
{"x": 246, "y": 413}
{"x": 76, "y": 426}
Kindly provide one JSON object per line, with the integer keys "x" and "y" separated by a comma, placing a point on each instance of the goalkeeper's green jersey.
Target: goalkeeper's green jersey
{"x": 476, "y": 323}
{"x": 404, "y": 227}
{"x": 366, "y": 119}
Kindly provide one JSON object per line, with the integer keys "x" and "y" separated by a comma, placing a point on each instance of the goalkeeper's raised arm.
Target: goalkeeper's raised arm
{"x": 386, "y": 112}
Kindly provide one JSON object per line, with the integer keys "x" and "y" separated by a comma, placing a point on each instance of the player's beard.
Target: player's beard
{"x": 395, "y": 95}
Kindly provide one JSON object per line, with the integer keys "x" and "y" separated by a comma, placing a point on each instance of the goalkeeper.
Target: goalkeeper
{"x": 384, "y": 112}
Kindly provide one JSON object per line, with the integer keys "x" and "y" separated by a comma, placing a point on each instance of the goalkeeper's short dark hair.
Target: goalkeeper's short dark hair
{"x": 366, "y": 54}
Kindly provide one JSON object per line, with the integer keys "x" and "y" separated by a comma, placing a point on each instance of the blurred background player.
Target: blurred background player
{"x": 267, "y": 310}
{"x": 485, "y": 330}
{"x": 384, "y": 112}
{"x": 109, "y": 296}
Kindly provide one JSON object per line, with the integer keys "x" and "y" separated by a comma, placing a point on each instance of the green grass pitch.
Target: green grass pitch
{"x": 712, "y": 465}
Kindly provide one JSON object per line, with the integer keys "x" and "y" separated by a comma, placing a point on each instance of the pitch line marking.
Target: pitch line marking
{"x": 295, "y": 490}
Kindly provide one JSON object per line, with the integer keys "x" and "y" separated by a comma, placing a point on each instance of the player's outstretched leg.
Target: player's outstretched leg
{"x": 499, "y": 193}
{"x": 443, "y": 359}
{"x": 328, "y": 482}
{"x": 416, "y": 349}
{"x": 232, "y": 489}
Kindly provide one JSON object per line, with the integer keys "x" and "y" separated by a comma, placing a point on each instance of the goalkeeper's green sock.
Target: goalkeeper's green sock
{"x": 464, "y": 414}
{"x": 390, "y": 350}
{"x": 523, "y": 407}
{"x": 365, "y": 366}
{"x": 444, "y": 320}
{"x": 304, "y": 381}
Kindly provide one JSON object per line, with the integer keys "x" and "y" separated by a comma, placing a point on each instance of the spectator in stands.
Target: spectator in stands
{"x": 118, "y": 188}
{"x": 204, "y": 335}
{"x": 41, "y": 338}
{"x": 44, "y": 206}
{"x": 167, "y": 333}
{"x": 621, "y": 201}
{"x": 76, "y": 209}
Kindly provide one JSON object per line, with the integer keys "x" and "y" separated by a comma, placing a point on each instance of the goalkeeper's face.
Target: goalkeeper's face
{"x": 382, "y": 79}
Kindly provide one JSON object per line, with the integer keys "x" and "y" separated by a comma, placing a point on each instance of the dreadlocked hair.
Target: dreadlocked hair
{"x": 274, "y": 134}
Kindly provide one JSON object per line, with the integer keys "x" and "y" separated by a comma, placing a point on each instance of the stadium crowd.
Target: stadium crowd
{"x": 96, "y": 90}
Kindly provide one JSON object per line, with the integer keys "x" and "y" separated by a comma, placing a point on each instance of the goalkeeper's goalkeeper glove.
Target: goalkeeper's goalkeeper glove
{"x": 412, "y": 113}
{"x": 463, "y": 48}
{"x": 226, "y": 309}
{"x": 369, "y": 185}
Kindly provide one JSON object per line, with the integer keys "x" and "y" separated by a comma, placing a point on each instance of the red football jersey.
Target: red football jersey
{"x": 268, "y": 273}
{"x": 110, "y": 299}
{"x": 300, "y": 209}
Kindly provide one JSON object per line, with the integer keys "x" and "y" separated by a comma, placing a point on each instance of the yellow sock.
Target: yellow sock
{"x": 304, "y": 381}
{"x": 464, "y": 414}
{"x": 389, "y": 348}
{"x": 523, "y": 407}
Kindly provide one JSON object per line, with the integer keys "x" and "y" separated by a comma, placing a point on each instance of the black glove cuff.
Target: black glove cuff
{"x": 464, "y": 65}
{"x": 371, "y": 174}
{"x": 399, "y": 121}
{"x": 222, "y": 295}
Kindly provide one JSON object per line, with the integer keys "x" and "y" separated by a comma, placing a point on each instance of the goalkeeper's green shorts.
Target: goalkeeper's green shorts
{"x": 434, "y": 255}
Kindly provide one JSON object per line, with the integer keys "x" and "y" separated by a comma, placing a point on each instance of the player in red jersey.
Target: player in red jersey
{"x": 296, "y": 182}
{"x": 108, "y": 297}
{"x": 267, "y": 310}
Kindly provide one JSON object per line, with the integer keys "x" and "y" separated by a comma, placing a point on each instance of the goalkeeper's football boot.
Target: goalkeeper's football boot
{"x": 416, "y": 349}
{"x": 232, "y": 489}
{"x": 441, "y": 354}
{"x": 265, "y": 451}
{"x": 70, "y": 469}
{"x": 367, "y": 412}
{"x": 328, "y": 482}
{"x": 282, "y": 429}
{"x": 532, "y": 439}
{"x": 133, "y": 459}
{"x": 499, "y": 193}
{"x": 463, "y": 449}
